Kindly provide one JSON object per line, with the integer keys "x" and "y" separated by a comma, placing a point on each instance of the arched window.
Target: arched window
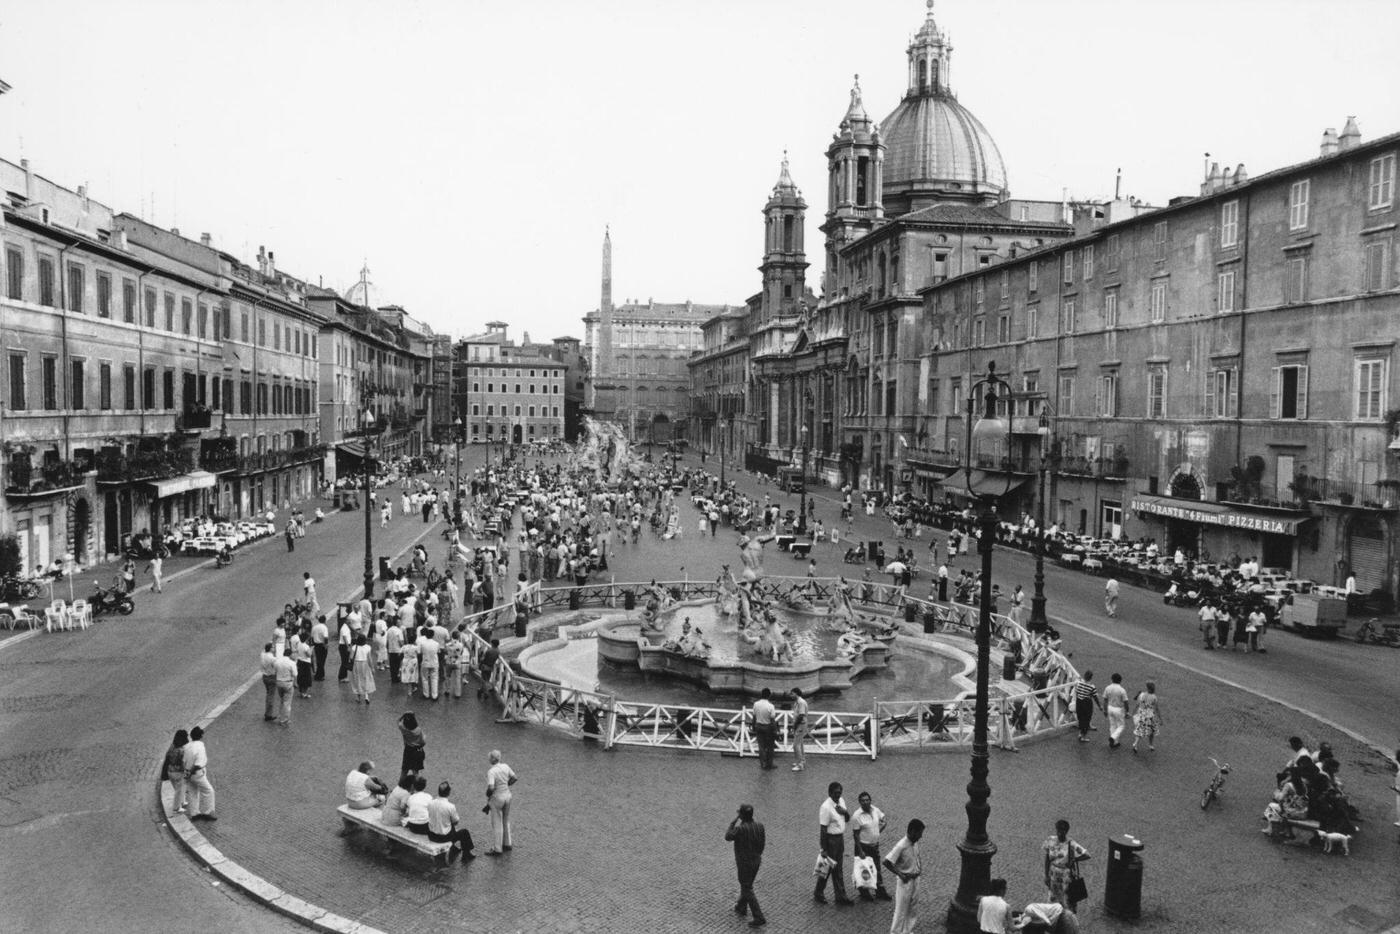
{"x": 787, "y": 233}
{"x": 923, "y": 73}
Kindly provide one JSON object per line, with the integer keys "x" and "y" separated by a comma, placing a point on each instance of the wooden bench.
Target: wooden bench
{"x": 371, "y": 819}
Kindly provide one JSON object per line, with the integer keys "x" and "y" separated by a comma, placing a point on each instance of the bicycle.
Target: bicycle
{"x": 1217, "y": 783}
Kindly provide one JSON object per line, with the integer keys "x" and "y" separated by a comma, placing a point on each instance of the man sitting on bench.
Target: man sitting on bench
{"x": 362, "y": 789}
{"x": 443, "y": 821}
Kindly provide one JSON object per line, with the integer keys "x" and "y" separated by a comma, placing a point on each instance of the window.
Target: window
{"x": 150, "y": 298}
{"x": 1295, "y": 285}
{"x": 556, "y": 411}
{"x": 1032, "y": 322}
{"x": 168, "y": 385}
{"x": 1066, "y": 405}
{"x": 49, "y": 382}
{"x": 1005, "y": 284}
{"x": 1089, "y": 261}
{"x": 1068, "y": 313}
{"x": 1382, "y": 182}
{"x": 45, "y": 281}
{"x": 532, "y": 411}
{"x": 204, "y": 321}
{"x": 129, "y": 301}
{"x": 490, "y": 410}
{"x": 1068, "y": 261}
{"x": 1157, "y": 300}
{"x": 1370, "y": 390}
{"x": 1288, "y": 397}
{"x": 1110, "y": 249}
{"x": 979, "y": 332}
{"x": 1375, "y": 266}
{"x": 1230, "y": 224}
{"x": 77, "y": 378}
{"x": 243, "y": 327}
{"x": 1225, "y": 291}
{"x": 186, "y": 316}
{"x": 1003, "y": 329}
{"x": 128, "y": 386}
{"x": 77, "y": 281}
{"x": 104, "y": 386}
{"x": 262, "y": 332}
{"x": 169, "y": 312}
{"x": 1222, "y": 393}
{"x": 1157, "y": 392}
{"x": 14, "y": 273}
{"x": 978, "y": 291}
{"x": 1110, "y": 309}
{"x": 1033, "y": 276}
{"x": 276, "y": 335}
{"x": 18, "y": 398}
{"x": 1298, "y": 196}
{"x": 1159, "y": 241}
{"x": 1107, "y": 401}
{"x": 104, "y": 294}
{"x": 517, "y": 410}
{"x": 476, "y": 411}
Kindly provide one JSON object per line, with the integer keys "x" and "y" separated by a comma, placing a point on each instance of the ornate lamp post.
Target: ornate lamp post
{"x": 987, "y": 447}
{"x": 723, "y": 438}
{"x": 802, "y": 507}
{"x": 367, "y": 394}
{"x": 1048, "y": 455}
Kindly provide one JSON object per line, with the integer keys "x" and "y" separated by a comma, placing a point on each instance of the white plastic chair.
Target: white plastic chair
{"x": 55, "y": 616}
{"x": 22, "y": 615}
{"x": 80, "y": 613}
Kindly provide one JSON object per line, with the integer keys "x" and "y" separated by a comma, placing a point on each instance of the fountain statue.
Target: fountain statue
{"x": 604, "y": 450}
{"x": 751, "y": 554}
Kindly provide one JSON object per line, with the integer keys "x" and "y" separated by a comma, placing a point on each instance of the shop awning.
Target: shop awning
{"x": 352, "y": 448}
{"x": 194, "y": 480}
{"x": 995, "y": 482}
{"x": 1200, "y": 511}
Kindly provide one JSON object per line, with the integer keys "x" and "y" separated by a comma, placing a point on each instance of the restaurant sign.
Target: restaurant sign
{"x": 1219, "y": 516}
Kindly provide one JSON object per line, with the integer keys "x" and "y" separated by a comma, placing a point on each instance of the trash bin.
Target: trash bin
{"x": 1122, "y": 895}
{"x": 1008, "y": 668}
{"x": 876, "y": 552}
{"x": 909, "y": 610}
{"x": 629, "y": 600}
{"x": 573, "y": 599}
{"x": 386, "y": 573}
{"x": 930, "y": 622}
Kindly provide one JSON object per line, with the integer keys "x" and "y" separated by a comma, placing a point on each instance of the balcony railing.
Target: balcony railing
{"x": 1382, "y": 495}
{"x": 935, "y": 457}
{"x": 1109, "y": 467}
{"x": 272, "y": 460}
{"x": 26, "y": 480}
{"x": 218, "y": 461}
{"x": 143, "y": 465}
{"x": 194, "y": 418}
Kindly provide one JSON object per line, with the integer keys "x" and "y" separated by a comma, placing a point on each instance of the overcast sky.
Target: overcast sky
{"x": 472, "y": 152}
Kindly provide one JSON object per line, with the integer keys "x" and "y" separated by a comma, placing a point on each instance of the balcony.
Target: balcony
{"x": 274, "y": 460}
{"x": 1383, "y": 495}
{"x": 194, "y": 418}
{"x": 934, "y": 457}
{"x": 218, "y": 459}
{"x": 114, "y": 467}
{"x": 1108, "y": 468}
{"x": 50, "y": 478}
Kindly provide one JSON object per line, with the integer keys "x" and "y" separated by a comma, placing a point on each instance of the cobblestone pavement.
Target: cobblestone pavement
{"x": 631, "y": 840}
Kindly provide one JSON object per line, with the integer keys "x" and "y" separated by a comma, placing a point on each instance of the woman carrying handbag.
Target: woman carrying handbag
{"x": 1062, "y": 858}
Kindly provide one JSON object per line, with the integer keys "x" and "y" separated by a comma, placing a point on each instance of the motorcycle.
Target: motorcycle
{"x": 1381, "y": 634}
{"x": 20, "y": 588}
{"x": 223, "y": 559}
{"x": 111, "y": 600}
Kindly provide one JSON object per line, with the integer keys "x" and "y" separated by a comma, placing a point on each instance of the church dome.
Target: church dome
{"x": 935, "y": 149}
{"x": 934, "y": 142}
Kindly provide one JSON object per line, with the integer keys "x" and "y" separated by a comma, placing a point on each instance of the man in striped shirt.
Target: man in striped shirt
{"x": 1086, "y": 698}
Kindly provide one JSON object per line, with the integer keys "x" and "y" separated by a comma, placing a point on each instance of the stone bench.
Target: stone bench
{"x": 371, "y": 819}
{"x": 1310, "y": 829}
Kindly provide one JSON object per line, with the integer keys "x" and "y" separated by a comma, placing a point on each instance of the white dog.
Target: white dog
{"x": 1330, "y": 839}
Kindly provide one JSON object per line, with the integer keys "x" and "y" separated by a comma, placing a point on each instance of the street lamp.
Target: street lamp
{"x": 802, "y": 506}
{"x": 723, "y": 429}
{"x": 457, "y": 468}
{"x": 987, "y": 449}
{"x": 366, "y": 397}
{"x": 1048, "y": 455}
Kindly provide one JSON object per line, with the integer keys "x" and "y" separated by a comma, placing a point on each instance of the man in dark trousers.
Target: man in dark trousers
{"x": 748, "y": 838}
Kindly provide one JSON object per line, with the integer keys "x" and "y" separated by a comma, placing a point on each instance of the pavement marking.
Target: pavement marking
{"x": 22, "y": 637}
{"x": 1232, "y": 684}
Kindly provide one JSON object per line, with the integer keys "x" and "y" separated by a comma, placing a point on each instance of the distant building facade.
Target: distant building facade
{"x": 508, "y": 391}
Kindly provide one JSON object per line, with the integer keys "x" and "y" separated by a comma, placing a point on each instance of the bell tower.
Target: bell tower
{"x": 784, "y": 258}
{"x": 855, "y": 180}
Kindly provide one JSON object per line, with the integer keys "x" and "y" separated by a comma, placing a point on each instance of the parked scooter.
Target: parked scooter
{"x": 223, "y": 558}
{"x": 111, "y": 600}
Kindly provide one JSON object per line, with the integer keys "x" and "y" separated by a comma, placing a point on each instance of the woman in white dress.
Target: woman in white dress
{"x": 362, "y": 670}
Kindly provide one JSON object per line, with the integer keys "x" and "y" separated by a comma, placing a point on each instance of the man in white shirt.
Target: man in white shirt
{"x": 320, "y": 645}
{"x": 267, "y": 664}
{"x": 197, "y": 776}
{"x": 1110, "y": 597}
{"x": 832, "y": 819}
{"x": 764, "y": 728}
{"x": 992, "y": 910}
{"x": 362, "y": 789}
{"x": 428, "y": 651}
{"x": 442, "y": 824}
{"x": 867, "y": 823}
{"x": 286, "y": 685}
{"x": 308, "y": 591}
{"x": 903, "y": 860}
{"x": 393, "y": 645}
{"x": 1115, "y": 705}
{"x": 344, "y": 639}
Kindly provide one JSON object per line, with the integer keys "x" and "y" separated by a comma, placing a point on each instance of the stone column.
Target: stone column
{"x": 773, "y": 390}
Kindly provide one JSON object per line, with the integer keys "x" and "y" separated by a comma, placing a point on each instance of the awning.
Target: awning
{"x": 994, "y": 482}
{"x": 194, "y": 480}
{"x": 352, "y": 448}
{"x": 1200, "y": 511}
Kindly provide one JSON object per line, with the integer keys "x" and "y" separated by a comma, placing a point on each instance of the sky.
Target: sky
{"x": 472, "y": 153}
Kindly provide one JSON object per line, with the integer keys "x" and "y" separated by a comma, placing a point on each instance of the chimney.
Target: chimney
{"x": 121, "y": 239}
{"x": 271, "y": 263}
{"x": 83, "y": 197}
{"x": 28, "y": 180}
{"x": 1241, "y": 176}
{"x": 1351, "y": 135}
{"x": 175, "y": 231}
{"x": 1118, "y": 185}
{"x": 1329, "y": 142}
{"x": 262, "y": 259}
{"x": 205, "y": 239}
